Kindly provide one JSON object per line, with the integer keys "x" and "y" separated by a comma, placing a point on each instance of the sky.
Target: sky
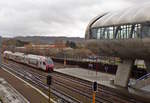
{"x": 53, "y": 17}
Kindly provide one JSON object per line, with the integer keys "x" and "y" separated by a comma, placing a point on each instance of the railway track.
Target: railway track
{"x": 59, "y": 81}
{"x": 36, "y": 81}
{"x": 55, "y": 82}
{"x": 104, "y": 93}
{"x": 74, "y": 86}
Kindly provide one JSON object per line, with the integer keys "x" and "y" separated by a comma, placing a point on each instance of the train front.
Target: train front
{"x": 49, "y": 65}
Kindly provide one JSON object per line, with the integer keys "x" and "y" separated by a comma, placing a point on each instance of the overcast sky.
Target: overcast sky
{"x": 53, "y": 17}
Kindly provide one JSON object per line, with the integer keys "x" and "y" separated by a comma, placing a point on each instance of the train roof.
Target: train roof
{"x": 35, "y": 57}
{"x": 18, "y": 54}
{"x": 8, "y": 52}
{"x": 136, "y": 14}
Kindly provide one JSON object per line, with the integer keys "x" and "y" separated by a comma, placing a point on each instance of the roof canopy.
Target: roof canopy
{"x": 137, "y": 14}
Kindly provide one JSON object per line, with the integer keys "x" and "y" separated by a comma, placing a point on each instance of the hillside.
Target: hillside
{"x": 47, "y": 39}
{"x": 13, "y": 42}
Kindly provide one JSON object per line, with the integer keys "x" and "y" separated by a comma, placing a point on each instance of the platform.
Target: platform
{"x": 103, "y": 78}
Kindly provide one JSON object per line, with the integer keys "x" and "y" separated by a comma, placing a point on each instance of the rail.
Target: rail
{"x": 66, "y": 98}
{"x": 38, "y": 80}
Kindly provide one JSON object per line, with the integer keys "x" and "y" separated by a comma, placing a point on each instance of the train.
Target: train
{"x": 36, "y": 61}
{"x": 123, "y": 33}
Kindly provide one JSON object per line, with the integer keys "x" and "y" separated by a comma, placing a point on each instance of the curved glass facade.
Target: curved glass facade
{"x": 121, "y": 32}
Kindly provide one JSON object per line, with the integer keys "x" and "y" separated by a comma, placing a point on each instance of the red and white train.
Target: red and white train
{"x": 36, "y": 61}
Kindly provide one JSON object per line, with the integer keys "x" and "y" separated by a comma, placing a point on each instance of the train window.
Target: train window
{"x": 49, "y": 61}
{"x": 44, "y": 63}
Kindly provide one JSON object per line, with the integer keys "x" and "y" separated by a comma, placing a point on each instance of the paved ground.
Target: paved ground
{"x": 9, "y": 95}
{"x": 89, "y": 75}
{"x": 32, "y": 95}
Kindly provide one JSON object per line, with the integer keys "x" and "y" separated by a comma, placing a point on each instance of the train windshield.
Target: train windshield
{"x": 49, "y": 61}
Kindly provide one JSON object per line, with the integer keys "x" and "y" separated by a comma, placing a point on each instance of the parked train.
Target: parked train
{"x": 36, "y": 61}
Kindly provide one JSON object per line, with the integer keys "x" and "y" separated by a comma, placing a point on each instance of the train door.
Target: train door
{"x": 39, "y": 64}
{"x": 25, "y": 60}
{"x": 43, "y": 65}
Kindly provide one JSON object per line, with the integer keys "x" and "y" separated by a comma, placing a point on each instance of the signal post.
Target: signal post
{"x": 49, "y": 80}
{"x": 94, "y": 87}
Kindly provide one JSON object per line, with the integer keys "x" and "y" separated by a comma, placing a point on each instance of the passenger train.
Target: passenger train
{"x": 35, "y": 61}
{"x": 124, "y": 33}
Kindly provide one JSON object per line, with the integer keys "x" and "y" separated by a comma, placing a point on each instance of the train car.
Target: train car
{"x": 7, "y": 54}
{"x": 35, "y": 61}
{"x": 41, "y": 62}
{"x": 124, "y": 33}
{"x": 18, "y": 57}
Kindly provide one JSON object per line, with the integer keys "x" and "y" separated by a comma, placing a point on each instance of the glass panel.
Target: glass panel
{"x": 111, "y": 32}
{"x": 136, "y": 31}
{"x": 121, "y": 32}
{"x": 146, "y": 30}
{"x": 106, "y": 33}
{"x": 94, "y": 34}
{"x": 102, "y": 33}
{"x": 118, "y": 36}
{"x": 128, "y": 30}
{"x": 98, "y": 33}
{"x": 49, "y": 61}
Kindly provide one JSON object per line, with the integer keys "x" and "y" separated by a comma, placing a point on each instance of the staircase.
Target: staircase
{"x": 143, "y": 83}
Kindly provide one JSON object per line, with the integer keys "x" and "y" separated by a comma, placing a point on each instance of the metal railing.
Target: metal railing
{"x": 98, "y": 59}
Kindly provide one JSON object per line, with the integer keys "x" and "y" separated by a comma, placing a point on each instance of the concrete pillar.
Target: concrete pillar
{"x": 123, "y": 73}
{"x": 147, "y": 64}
